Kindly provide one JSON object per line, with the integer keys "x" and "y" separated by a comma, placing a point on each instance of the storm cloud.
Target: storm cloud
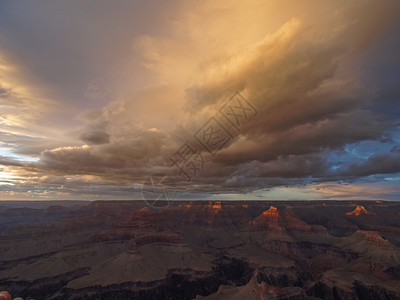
{"x": 99, "y": 108}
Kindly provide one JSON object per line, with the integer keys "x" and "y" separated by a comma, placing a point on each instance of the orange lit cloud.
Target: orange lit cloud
{"x": 107, "y": 103}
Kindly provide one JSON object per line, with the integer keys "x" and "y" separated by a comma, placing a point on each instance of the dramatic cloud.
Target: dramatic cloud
{"x": 94, "y": 98}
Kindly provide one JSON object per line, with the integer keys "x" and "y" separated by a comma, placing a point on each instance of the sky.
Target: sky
{"x": 228, "y": 99}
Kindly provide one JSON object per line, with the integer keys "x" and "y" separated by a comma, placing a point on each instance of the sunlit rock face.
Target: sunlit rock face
{"x": 272, "y": 212}
{"x": 268, "y": 220}
{"x": 359, "y": 210}
{"x": 202, "y": 250}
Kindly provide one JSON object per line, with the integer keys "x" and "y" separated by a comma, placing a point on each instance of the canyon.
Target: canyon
{"x": 201, "y": 250}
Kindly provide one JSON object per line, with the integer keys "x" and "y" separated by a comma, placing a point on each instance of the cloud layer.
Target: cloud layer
{"x": 90, "y": 109}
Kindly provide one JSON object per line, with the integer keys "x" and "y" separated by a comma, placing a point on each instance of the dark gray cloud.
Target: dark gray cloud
{"x": 95, "y": 137}
{"x": 385, "y": 163}
{"x": 6, "y": 161}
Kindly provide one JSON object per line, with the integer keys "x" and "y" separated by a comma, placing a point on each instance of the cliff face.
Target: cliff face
{"x": 358, "y": 211}
{"x": 202, "y": 250}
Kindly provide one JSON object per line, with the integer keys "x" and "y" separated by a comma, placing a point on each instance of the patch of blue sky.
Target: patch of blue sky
{"x": 361, "y": 151}
{"x": 9, "y": 154}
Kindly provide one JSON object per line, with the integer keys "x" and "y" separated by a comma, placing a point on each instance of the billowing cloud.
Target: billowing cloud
{"x": 108, "y": 103}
